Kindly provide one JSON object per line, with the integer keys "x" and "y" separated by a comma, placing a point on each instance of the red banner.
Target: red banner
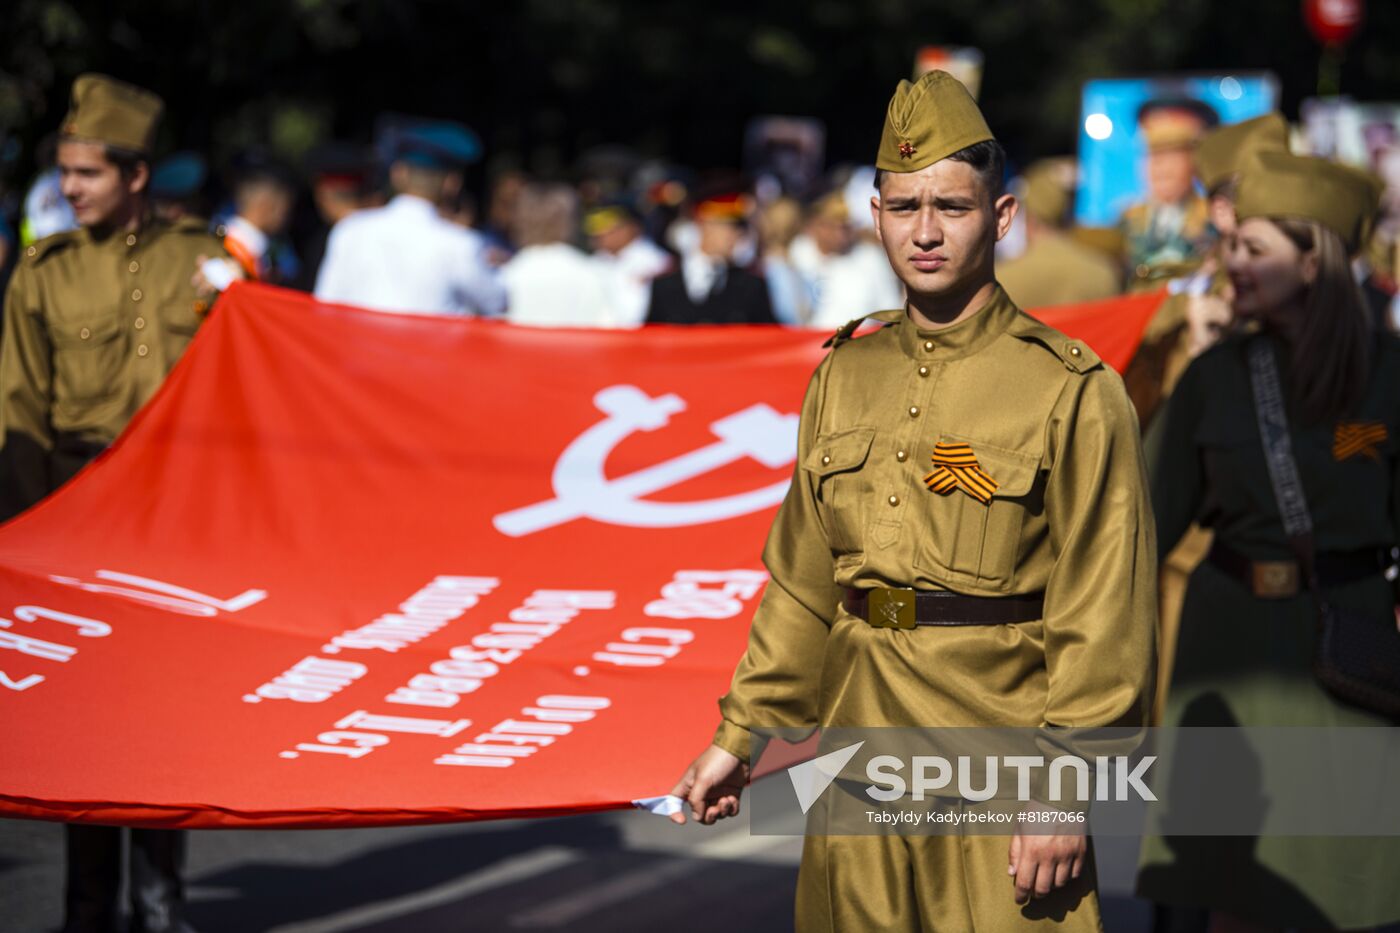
{"x": 351, "y": 568}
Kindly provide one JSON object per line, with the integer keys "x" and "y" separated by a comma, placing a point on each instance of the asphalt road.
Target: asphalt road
{"x": 616, "y": 872}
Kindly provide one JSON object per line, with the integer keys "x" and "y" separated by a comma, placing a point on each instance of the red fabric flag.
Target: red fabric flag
{"x": 350, "y": 568}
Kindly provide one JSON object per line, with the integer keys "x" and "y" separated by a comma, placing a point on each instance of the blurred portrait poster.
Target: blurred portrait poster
{"x": 1137, "y": 138}
{"x": 1366, "y": 135}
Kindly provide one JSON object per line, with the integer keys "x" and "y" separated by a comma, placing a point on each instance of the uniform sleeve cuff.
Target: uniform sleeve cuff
{"x": 733, "y": 739}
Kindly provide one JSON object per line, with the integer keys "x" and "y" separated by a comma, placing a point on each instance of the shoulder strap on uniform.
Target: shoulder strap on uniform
{"x": 850, "y": 327}
{"x": 1077, "y": 355}
{"x": 49, "y": 245}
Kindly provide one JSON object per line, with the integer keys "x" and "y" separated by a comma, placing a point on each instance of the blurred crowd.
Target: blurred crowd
{"x": 421, "y": 220}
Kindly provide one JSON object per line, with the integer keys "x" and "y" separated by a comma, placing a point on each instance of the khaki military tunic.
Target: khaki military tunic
{"x": 92, "y": 326}
{"x": 1055, "y": 270}
{"x": 1070, "y": 517}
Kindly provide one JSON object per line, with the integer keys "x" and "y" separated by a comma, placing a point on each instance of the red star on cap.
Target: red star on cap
{"x": 906, "y": 149}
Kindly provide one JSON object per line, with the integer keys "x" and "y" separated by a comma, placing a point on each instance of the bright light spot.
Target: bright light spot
{"x": 1230, "y": 89}
{"x": 1098, "y": 126}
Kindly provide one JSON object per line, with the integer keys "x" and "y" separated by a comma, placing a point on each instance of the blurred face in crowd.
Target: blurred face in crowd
{"x": 616, "y": 239}
{"x": 832, "y": 235}
{"x": 1169, "y": 175}
{"x": 335, "y": 199}
{"x": 1268, "y": 272}
{"x": 267, "y": 206}
{"x": 101, "y": 195}
{"x": 719, "y": 238}
{"x": 939, "y": 227}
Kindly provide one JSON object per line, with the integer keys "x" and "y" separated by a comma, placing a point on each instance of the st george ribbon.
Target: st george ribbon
{"x": 351, "y": 568}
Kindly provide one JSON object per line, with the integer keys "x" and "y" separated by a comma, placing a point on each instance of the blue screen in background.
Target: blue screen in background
{"x": 1111, "y": 149}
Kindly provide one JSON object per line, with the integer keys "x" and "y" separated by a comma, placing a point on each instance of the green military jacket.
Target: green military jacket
{"x": 1052, "y": 427}
{"x": 92, "y": 326}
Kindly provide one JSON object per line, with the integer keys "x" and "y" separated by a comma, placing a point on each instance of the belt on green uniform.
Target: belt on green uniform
{"x": 1283, "y": 579}
{"x": 885, "y": 607}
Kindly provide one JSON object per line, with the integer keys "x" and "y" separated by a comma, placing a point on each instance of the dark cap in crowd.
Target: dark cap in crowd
{"x": 179, "y": 175}
{"x": 440, "y": 144}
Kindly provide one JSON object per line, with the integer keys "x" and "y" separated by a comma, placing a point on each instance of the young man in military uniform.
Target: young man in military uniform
{"x": 1034, "y": 519}
{"x": 94, "y": 319}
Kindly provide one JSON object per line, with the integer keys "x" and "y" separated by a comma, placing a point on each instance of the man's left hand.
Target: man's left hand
{"x": 1040, "y": 864}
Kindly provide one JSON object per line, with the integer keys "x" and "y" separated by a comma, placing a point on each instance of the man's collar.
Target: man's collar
{"x": 963, "y": 338}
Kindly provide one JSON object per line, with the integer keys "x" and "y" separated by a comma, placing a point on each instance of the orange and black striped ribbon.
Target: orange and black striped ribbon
{"x": 1354, "y": 438}
{"x": 957, "y": 469}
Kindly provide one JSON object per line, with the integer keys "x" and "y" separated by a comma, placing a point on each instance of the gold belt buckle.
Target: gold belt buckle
{"x": 890, "y": 608}
{"x": 1275, "y": 579}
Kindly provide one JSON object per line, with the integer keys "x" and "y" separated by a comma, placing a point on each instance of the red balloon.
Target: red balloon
{"x": 1334, "y": 22}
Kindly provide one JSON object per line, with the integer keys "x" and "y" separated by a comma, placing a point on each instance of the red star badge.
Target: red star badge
{"x": 906, "y": 149}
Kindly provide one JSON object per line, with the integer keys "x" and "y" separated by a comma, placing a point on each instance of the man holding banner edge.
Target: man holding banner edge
{"x": 967, "y": 451}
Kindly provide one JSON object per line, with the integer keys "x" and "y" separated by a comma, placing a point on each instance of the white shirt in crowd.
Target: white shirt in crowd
{"x": 628, "y": 278}
{"x": 845, "y": 286}
{"x": 556, "y": 285}
{"x": 405, "y": 257}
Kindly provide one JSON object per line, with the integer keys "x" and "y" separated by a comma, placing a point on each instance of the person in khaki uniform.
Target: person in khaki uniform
{"x": 94, "y": 319}
{"x": 1055, "y": 269}
{"x": 1050, "y": 535}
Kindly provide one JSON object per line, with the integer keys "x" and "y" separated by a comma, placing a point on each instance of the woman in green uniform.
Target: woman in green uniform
{"x": 1245, "y": 655}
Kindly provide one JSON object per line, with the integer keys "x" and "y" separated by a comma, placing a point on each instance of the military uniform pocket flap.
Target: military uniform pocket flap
{"x": 1014, "y": 473}
{"x": 836, "y": 453}
{"x": 77, "y": 334}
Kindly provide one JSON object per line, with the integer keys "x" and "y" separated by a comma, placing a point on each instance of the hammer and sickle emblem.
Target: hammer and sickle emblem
{"x": 890, "y": 611}
{"x": 582, "y": 490}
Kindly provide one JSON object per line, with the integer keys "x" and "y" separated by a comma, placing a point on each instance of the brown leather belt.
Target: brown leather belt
{"x": 1283, "y": 579}
{"x": 904, "y": 608}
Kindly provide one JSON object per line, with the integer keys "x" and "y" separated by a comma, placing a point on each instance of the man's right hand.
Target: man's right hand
{"x": 711, "y": 785}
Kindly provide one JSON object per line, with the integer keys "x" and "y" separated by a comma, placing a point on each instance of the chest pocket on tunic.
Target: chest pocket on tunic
{"x": 88, "y": 357}
{"x": 836, "y": 463}
{"x": 965, "y": 541}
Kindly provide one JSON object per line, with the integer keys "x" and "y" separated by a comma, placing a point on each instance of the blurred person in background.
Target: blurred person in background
{"x": 1197, "y": 309}
{"x": 779, "y": 223}
{"x": 177, "y": 182}
{"x": 94, "y": 319}
{"x": 501, "y": 200}
{"x": 550, "y": 282}
{"x": 846, "y": 276}
{"x": 1246, "y": 653}
{"x": 405, "y": 256}
{"x": 46, "y": 210}
{"x": 1054, "y": 269}
{"x": 342, "y": 182}
{"x": 711, "y": 287}
{"x": 1189, "y": 321}
{"x": 1171, "y": 227}
{"x": 627, "y": 258}
{"x": 254, "y": 232}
